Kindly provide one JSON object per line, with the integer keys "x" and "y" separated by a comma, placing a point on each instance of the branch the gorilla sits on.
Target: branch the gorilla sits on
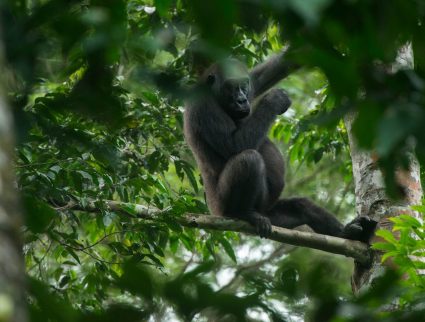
{"x": 242, "y": 170}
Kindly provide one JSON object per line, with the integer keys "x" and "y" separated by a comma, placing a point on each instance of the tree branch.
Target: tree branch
{"x": 355, "y": 249}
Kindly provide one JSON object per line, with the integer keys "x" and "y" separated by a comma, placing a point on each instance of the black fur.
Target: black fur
{"x": 242, "y": 170}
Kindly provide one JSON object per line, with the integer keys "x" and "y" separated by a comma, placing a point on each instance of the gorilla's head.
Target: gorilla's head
{"x": 231, "y": 87}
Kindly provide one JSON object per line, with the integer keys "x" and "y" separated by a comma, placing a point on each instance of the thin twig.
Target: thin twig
{"x": 46, "y": 163}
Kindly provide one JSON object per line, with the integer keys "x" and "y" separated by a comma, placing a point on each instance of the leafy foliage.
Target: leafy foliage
{"x": 404, "y": 246}
{"x": 397, "y": 294}
{"x": 97, "y": 89}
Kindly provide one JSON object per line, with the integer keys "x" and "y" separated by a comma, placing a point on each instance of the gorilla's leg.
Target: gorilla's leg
{"x": 290, "y": 213}
{"x": 293, "y": 212}
{"x": 242, "y": 190}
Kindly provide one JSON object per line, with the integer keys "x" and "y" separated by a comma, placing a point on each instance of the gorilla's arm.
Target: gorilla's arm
{"x": 265, "y": 75}
{"x": 225, "y": 137}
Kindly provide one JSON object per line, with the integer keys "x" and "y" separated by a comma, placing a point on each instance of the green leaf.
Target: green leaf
{"x": 174, "y": 243}
{"x": 163, "y": 6}
{"x": 39, "y": 214}
{"x": 155, "y": 260}
{"x": 419, "y": 264}
{"x": 387, "y": 235}
{"x": 64, "y": 280}
{"x": 419, "y": 208}
{"x": 228, "y": 248}
{"x": 384, "y": 246}
{"x": 393, "y": 128}
{"x": 187, "y": 242}
{"x": 413, "y": 222}
{"x": 85, "y": 175}
{"x": 173, "y": 224}
{"x": 73, "y": 254}
{"x": 189, "y": 172}
{"x": 388, "y": 255}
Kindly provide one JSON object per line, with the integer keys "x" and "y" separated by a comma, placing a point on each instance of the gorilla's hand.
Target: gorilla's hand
{"x": 277, "y": 100}
{"x": 360, "y": 228}
{"x": 262, "y": 224}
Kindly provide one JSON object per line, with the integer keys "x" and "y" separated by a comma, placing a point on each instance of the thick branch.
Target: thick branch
{"x": 355, "y": 249}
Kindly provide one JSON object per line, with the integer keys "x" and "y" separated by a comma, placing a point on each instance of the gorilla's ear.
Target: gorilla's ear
{"x": 210, "y": 79}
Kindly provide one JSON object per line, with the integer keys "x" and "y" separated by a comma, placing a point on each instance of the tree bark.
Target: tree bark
{"x": 12, "y": 272}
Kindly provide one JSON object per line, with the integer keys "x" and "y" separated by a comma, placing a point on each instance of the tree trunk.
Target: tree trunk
{"x": 372, "y": 201}
{"x": 12, "y": 272}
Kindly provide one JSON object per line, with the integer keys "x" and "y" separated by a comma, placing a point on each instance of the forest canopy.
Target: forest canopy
{"x": 97, "y": 91}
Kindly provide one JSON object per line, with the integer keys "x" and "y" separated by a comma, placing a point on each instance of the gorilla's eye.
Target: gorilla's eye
{"x": 245, "y": 86}
{"x": 210, "y": 79}
{"x": 228, "y": 87}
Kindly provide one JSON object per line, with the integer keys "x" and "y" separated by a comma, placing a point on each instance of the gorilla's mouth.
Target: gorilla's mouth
{"x": 240, "y": 111}
{"x": 240, "y": 114}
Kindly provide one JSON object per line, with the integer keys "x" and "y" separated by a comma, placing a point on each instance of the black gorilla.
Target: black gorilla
{"x": 242, "y": 170}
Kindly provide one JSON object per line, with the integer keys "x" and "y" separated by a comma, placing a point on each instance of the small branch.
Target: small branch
{"x": 355, "y": 249}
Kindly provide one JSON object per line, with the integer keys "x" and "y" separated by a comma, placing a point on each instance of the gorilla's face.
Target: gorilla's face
{"x": 230, "y": 84}
{"x": 235, "y": 97}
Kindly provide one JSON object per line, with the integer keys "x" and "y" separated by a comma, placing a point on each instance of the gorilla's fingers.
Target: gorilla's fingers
{"x": 262, "y": 224}
{"x": 265, "y": 227}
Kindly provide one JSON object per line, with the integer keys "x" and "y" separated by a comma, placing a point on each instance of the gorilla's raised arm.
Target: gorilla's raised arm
{"x": 265, "y": 75}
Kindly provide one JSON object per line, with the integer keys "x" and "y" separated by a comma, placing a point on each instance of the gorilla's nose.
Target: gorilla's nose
{"x": 241, "y": 101}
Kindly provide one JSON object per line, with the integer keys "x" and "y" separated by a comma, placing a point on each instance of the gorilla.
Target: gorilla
{"x": 242, "y": 170}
